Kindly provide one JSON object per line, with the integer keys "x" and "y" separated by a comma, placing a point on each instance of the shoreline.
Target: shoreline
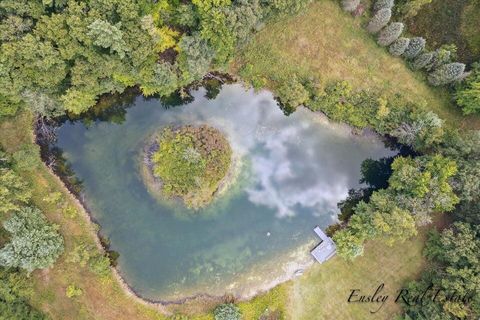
{"x": 204, "y": 299}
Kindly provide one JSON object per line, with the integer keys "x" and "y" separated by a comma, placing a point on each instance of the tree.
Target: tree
{"x": 15, "y": 289}
{"x": 446, "y": 74}
{"x": 34, "y": 244}
{"x": 390, "y": 33}
{"x": 379, "y": 20}
{"x": 423, "y": 130}
{"x": 108, "y": 36}
{"x": 78, "y": 101}
{"x": 415, "y": 47}
{"x": 162, "y": 80}
{"x": 292, "y": 94}
{"x": 453, "y": 268}
{"x": 227, "y": 311}
{"x": 350, "y": 5}
{"x": 14, "y": 191}
{"x": 195, "y": 56}
{"x": 383, "y": 4}
{"x": 349, "y": 245}
{"x": 398, "y": 47}
{"x": 467, "y": 94}
{"x": 422, "y": 185}
{"x": 422, "y": 61}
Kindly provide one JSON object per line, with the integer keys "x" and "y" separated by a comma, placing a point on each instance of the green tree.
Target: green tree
{"x": 453, "y": 268}
{"x": 415, "y": 47}
{"x": 14, "y": 191}
{"x": 195, "y": 56}
{"x": 292, "y": 94}
{"x": 383, "y": 4}
{"x": 15, "y": 289}
{"x": 467, "y": 94}
{"x": 162, "y": 80}
{"x": 108, "y": 36}
{"x": 390, "y": 33}
{"x": 422, "y": 61}
{"x": 227, "y": 311}
{"x": 398, "y": 47}
{"x": 422, "y": 185}
{"x": 379, "y": 20}
{"x": 34, "y": 244}
{"x": 446, "y": 74}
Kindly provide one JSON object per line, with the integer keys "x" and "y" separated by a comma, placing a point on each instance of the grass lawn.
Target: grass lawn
{"x": 330, "y": 45}
{"x": 322, "y": 293}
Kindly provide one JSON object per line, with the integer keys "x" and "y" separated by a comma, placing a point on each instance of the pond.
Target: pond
{"x": 291, "y": 173}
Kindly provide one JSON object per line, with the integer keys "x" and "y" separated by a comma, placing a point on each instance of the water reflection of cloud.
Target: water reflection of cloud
{"x": 298, "y": 162}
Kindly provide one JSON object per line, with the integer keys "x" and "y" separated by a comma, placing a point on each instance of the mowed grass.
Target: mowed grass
{"x": 329, "y": 45}
{"x": 322, "y": 293}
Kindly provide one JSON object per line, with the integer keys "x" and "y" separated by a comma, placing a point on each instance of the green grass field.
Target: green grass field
{"x": 329, "y": 45}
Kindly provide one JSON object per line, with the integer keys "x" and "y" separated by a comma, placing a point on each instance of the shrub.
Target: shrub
{"x": 100, "y": 265}
{"x": 415, "y": 47}
{"x": 446, "y": 74}
{"x": 292, "y": 94}
{"x": 422, "y": 60}
{"x": 227, "y": 311}
{"x": 379, "y": 20}
{"x": 440, "y": 56}
{"x": 34, "y": 244}
{"x": 398, "y": 47}
{"x": 28, "y": 157}
{"x": 468, "y": 94}
{"x": 390, "y": 33}
{"x": 73, "y": 291}
{"x": 350, "y": 5}
{"x": 383, "y": 4}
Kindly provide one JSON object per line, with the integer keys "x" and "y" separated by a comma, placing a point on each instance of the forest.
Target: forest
{"x": 61, "y": 58}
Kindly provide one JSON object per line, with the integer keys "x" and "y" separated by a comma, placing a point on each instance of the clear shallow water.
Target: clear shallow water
{"x": 294, "y": 171}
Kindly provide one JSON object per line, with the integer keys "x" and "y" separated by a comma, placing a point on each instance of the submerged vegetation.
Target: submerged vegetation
{"x": 191, "y": 163}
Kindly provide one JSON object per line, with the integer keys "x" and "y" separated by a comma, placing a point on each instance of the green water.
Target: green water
{"x": 295, "y": 169}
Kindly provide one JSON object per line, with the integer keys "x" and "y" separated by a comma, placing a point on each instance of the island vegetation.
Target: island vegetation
{"x": 189, "y": 163}
{"x": 60, "y": 57}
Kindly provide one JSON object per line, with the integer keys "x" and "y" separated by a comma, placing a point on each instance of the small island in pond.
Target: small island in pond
{"x": 189, "y": 163}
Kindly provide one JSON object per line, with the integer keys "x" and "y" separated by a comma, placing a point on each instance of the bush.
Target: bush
{"x": 415, "y": 47}
{"x": 350, "y": 5}
{"x": 73, "y": 291}
{"x": 446, "y": 74}
{"x": 34, "y": 244}
{"x": 390, "y": 33}
{"x": 398, "y": 47}
{"x": 292, "y": 94}
{"x": 422, "y": 60}
{"x": 383, "y": 4}
{"x": 28, "y": 157}
{"x": 440, "y": 56}
{"x": 379, "y": 20}
{"x": 227, "y": 311}
{"x": 468, "y": 93}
